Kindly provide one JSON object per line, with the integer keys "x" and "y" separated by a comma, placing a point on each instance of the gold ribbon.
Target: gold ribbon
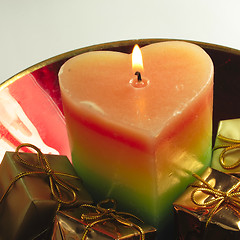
{"x": 231, "y": 197}
{"x": 102, "y": 214}
{"x": 231, "y": 144}
{"x": 42, "y": 167}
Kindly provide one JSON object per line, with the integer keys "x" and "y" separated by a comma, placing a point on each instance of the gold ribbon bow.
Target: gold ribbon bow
{"x": 230, "y": 145}
{"x": 42, "y": 167}
{"x": 102, "y": 214}
{"x": 231, "y": 197}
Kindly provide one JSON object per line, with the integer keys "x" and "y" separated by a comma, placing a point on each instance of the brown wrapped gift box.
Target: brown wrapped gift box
{"x": 29, "y": 207}
{"x": 70, "y": 225}
{"x": 216, "y": 213}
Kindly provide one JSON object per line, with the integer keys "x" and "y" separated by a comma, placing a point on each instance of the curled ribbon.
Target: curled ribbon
{"x": 102, "y": 214}
{"x": 42, "y": 167}
{"x": 231, "y": 197}
{"x": 231, "y": 144}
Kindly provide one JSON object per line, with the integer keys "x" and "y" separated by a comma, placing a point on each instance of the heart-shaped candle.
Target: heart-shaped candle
{"x": 140, "y": 145}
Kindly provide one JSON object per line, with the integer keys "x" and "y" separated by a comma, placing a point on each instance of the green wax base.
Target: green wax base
{"x": 157, "y": 212}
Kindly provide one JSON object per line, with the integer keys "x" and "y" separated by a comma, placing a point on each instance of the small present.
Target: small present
{"x": 32, "y": 188}
{"x": 226, "y": 152}
{"x": 90, "y": 222}
{"x": 209, "y": 208}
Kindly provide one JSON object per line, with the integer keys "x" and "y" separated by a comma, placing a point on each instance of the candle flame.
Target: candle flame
{"x": 137, "y": 60}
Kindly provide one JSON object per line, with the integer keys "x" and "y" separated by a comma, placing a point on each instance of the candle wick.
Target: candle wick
{"x": 139, "y": 77}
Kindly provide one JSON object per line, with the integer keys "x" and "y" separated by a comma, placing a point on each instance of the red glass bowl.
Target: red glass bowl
{"x": 31, "y": 107}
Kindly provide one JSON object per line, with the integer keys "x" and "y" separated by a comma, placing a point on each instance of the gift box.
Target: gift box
{"x": 226, "y": 152}
{"x": 32, "y": 188}
{"x": 90, "y": 222}
{"x": 209, "y": 208}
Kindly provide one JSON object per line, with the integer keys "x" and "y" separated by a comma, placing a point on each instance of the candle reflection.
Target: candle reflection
{"x": 16, "y": 127}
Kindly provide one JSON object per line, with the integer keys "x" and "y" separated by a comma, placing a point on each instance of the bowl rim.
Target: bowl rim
{"x": 104, "y": 46}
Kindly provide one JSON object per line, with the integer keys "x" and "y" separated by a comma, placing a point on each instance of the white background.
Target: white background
{"x": 34, "y": 30}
